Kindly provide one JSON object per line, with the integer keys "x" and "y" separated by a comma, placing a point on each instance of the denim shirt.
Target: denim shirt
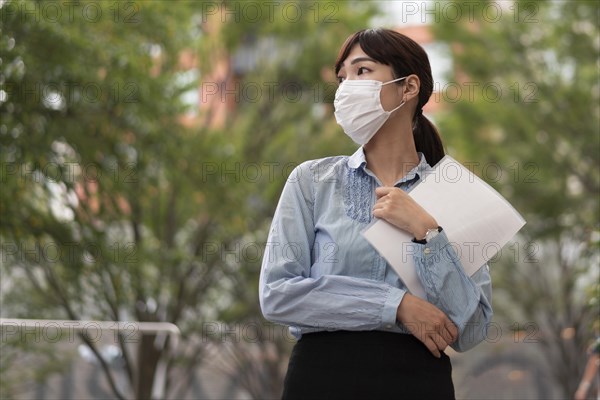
{"x": 319, "y": 273}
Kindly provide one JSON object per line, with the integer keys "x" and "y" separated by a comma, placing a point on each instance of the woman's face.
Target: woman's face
{"x": 358, "y": 65}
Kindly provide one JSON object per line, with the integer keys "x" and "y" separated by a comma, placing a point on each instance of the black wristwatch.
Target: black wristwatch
{"x": 431, "y": 233}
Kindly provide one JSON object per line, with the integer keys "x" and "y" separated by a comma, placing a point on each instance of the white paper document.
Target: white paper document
{"x": 476, "y": 218}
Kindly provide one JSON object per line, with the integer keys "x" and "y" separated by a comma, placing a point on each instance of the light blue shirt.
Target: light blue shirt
{"x": 319, "y": 273}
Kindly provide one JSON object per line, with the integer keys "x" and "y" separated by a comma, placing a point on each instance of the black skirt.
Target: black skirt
{"x": 366, "y": 365}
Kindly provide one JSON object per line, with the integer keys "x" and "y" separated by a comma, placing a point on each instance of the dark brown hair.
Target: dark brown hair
{"x": 406, "y": 57}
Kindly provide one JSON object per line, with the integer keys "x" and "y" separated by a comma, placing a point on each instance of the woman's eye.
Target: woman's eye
{"x": 362, "y": 70}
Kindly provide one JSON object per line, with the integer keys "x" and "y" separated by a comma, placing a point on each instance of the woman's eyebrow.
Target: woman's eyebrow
{"x": 359, "y": 59}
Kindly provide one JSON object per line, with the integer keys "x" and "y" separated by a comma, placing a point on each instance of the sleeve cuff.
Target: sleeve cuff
{"x": 390, "y": 307}
{"x": 438, "y": 248}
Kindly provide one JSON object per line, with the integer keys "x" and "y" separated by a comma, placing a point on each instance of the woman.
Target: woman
{"x": 360, "y": 333}
{"x": 590, "y": 374}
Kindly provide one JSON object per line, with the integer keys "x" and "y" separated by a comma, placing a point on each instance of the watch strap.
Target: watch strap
{"x": 427, "y": 235}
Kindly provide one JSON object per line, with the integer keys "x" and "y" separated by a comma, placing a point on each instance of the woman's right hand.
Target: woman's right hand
{"x": 427, "y": 323}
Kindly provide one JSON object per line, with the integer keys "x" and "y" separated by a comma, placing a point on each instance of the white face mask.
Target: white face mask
{"x": 358, "y": 108}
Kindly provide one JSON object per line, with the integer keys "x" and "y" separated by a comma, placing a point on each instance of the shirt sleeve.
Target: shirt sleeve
{"x": 289, "y": 295}
{"x": 465, "y": 300}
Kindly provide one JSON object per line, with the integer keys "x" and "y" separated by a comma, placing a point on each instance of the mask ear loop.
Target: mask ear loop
{"x": 401, "y": 104}
{"x": 394, "y": 80}
{"x": 403, "y": 101}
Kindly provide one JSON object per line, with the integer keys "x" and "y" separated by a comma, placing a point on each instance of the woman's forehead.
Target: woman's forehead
{"x": 356, "y": 54}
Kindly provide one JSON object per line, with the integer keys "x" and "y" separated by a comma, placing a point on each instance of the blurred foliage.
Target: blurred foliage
{"x": 113, "y": 208}
{"x": 527, "y": 118}
{"x": 534, "y": 108}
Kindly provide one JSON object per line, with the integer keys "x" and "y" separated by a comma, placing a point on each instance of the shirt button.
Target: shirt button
{"x": 427, "y": 250}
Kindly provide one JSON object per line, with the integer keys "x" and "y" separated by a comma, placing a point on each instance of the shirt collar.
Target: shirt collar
{"x": 358, "y": 160}
{"x": 419, "y": 171}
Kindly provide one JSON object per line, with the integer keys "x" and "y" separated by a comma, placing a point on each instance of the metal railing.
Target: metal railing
{"x": 83, "y": 326}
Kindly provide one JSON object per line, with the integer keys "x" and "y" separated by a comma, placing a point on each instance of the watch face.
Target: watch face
{"x": 431, "y": 233}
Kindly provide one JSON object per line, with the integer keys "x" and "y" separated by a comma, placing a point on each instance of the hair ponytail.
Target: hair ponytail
{"x": 427, "y": 139}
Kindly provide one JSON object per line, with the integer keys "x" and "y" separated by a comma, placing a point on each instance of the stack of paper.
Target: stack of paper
{"x": 477, "y": 220}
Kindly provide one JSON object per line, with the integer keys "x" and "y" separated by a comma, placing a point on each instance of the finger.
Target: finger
{"x": 381, "y": 200}
{"x": 383, "y": 190}
{"x": 439, "y": 341}
{"x": 380, "y": 213}
{"x": 378, "y": 206}
{"x": 452, "y": 331}
{"x": 447, "y": 335}
{"x": 432, "y": 347}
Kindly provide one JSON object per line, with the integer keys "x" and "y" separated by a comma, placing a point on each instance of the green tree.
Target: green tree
{"x": 89, "y": 101}
{"x": 143, "y": 220}
{"x": 530, "y": 109}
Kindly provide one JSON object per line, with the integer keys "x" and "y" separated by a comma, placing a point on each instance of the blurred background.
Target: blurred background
{"x": 144, "y": 145}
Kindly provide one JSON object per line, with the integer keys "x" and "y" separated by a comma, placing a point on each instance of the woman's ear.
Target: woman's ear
{"x": 411, "y": 87}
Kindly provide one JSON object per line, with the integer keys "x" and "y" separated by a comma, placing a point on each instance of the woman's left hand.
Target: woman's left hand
{"x": 399, "y": 209}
